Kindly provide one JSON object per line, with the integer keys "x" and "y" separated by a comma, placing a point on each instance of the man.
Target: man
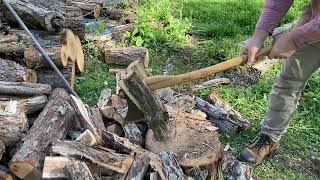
{"x": 302, "y": 49}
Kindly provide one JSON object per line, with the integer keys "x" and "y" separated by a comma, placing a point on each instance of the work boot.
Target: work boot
{"x": 256, "y": 152}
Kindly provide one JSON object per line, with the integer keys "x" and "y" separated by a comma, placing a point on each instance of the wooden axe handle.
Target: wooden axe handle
{"x": 162, "y": 81}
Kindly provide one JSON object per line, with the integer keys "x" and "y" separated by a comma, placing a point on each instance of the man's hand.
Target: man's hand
{"x": 254, "y": 44}
{"x": 283, "y": 47}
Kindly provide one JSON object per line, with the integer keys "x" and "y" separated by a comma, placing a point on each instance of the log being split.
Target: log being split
{"x": 40, "y": 14}
{"x": 13, "y": 72}
{"x": 56, "y": 119}
{"x": 125, "y": 56}
{"x": 110, "y": 160}
{"x": 24, "y": 88}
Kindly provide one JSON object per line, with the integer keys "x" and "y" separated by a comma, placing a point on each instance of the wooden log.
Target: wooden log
{"x": 24, "y": 88}
{"x": 13, "y": 126}
{"x": 56, "y": 119}
{"x": 85, "y": 5}
{"x": 171, "y": 166}
{"x": 77, "y": 170}
{"x": 97, "y": 120}
{"x": 125, "y": 146}
{"x": 125, "y": 56}
{"x": 87, "y": 138}
{"x": 233, "y": 168}
{"x": 49, "y": 76}
{"x": 142, "y": 96}
{"x": 138, "y": 168}
{"x": 12, "y": 47}
{"x": 13, "y": 72}
{"x": 26, "y": 105}
{"x": 2, "y": 149}
{"x": 106, "y": 158}
{"x": 133, "y": 133}
{"x": 115, "y": 129}
{"x": 34, "y": 59}
{"x": 105, "y": 98}
{"x": 222, "y": 114}
{"x": 74, "y": 20}
{"x": 38, "y": 14}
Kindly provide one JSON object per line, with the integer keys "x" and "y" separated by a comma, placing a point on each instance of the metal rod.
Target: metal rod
{"x": 39, "y": 48}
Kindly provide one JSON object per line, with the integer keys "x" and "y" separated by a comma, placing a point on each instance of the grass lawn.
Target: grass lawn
{"x": 190, "y": 34}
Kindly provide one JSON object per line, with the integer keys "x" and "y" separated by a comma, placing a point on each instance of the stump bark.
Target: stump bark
{"x": 56, "y": 119}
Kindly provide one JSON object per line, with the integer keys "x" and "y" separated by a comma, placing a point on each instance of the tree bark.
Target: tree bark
{"x": 39, "y": 14}
{"x": 138, "y": 168}
{"x": 234, "y": 169}
{"x": 125, "y": 56}
{"x": 26, "y": 105}
{"x": 12, "y": 47}
{"x": 74, "y": 20}
{"x": 2, "y": 149}
{"x": 77, "y": 170}
{"x": 13, "y": 126}
{"x": 13, "y": 72}
{"x": 49, "y": 76}
{"x": 171, "y": 166}
{"x": 97, "y": 120}
{"x": 51, "y": 125}
{"x": 132, "y": 132}
{"x": 34, "y": 59}
{"x": 114, "y": 161}
{"x": 24, "y": 88}
{"x": 85, "y": 5}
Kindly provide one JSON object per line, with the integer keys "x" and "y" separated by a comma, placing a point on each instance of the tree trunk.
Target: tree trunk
{"x": 13, "y": 126}
{"x": 24, "y": 88}
{"x": 39, "y": 14}
{"x": 51, "y": 125}
{"x": 125, "y": 56}
{"x": 26, "y": 105}
{"x": 49, "y": 76}
{"x": 13, "y": 72}
{"x": 34, "y": 59}
{"x": 138, "y": 168}
{"x": 114, "y": 161}
{"x": 77, "y": 170}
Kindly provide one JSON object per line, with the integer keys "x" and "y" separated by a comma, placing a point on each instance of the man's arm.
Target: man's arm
{"x": 273, "y": 11}
{"x": 307, "y": 33}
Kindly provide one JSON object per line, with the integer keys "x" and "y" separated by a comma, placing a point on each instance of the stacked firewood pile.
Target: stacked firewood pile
{"x": 47, "y": 133}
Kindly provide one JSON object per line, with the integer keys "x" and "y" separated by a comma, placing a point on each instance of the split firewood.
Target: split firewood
{"x": 84, "y": 116}
{"x": 234, "y": 169}
{"x": 132, "y": 132}
{"x": 87, "y": 138}
{"x": 138, "y": 168}
{"x": 24, "y": 88}
{"x": 5, "y": 174}
{"x": 13, "y": 72}
{"x": 97, "y": 120}
{"x": 171, "y": 166}
{"x": 154, "y": 176}
{"x": 40, "y": 14}
{"x": 77, "y": 170}
{"x": 210, "y": 83}
{"x": 125, "y": 56}
{"x": 26, "y": 105}
{"x": 34, "y": 59}
{"x": 115, "y": 129}
{"x": 125, "y": 146}
{"x": 49, "y": 76}
{"x": 56, "y": 119}
{"x": 2, "y": 149}
{"x": 105, "y": 98}
{"x": 13, "y": 125}
{"x": 74, "y": 20}
{"x": 119, "y": 76}
{"x": 106, "y": 158}
{"x": 222, "y": 114}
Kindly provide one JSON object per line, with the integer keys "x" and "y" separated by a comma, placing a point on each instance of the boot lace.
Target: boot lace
{"x": 263, "y": 140}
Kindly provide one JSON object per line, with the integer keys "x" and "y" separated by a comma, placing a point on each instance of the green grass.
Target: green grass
{"x": 191, "y": 34}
